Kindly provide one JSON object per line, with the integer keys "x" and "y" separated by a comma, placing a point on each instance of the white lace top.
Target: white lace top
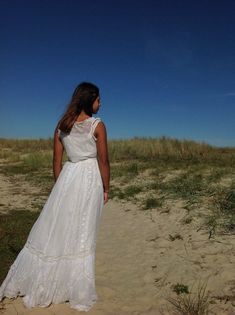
{"x": 80, "y": 143}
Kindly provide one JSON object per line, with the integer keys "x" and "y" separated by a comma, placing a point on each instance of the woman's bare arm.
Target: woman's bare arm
{"x": 57, "y": 154}
{"x": 103, "y": 159}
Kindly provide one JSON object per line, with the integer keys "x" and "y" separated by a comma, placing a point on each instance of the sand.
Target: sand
{"x": 18, "y": 194}
{"x": 137, "y": 262}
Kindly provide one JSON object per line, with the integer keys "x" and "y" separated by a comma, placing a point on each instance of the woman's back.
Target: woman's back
{"x": 80, "y": 143}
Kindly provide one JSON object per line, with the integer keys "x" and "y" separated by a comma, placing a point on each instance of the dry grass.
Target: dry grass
{"x": 137, "y": 148}
{"x": 148, "y": 171}
{"x": 189, "y": 303}
{"x": 166, "y": 148}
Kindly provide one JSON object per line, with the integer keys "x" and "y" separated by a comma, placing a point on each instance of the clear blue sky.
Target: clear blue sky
{"x": 164, "y": 67}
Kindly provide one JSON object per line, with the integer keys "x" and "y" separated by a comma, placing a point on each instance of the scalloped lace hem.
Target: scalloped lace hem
{"x": 42, "y": 283}
{"x": 28, "y": 305}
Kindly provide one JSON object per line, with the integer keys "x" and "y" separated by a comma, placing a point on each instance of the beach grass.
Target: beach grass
{"x": 178, "y": 169}
{"x": 149, "y": 172}
{"x": 190, "y": 303}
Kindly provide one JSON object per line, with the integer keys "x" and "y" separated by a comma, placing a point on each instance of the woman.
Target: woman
{"x": 57, "y": 262}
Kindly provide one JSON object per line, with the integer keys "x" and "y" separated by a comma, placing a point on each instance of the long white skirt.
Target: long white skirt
{"x": 57, "y": 262}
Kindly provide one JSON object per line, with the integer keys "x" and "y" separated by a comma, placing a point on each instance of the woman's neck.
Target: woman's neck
{"x": 82, "y": 116}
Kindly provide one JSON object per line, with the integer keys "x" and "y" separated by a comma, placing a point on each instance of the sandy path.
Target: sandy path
{"x": 17, "y": 194}
{"x": 136, "y": 264}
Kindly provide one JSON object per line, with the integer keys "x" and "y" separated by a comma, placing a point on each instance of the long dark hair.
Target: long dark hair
{"x": 82, "y": 99}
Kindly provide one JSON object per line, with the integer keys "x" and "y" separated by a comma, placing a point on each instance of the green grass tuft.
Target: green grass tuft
{"x": 180, "y": 288}
{"x": 188, "y": 303}
{"x": 152, "y": 202}
{"x": 16, "y": 223}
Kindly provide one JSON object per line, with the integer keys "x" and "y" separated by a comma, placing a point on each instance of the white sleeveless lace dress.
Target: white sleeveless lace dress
{"x": 57, "y": 262}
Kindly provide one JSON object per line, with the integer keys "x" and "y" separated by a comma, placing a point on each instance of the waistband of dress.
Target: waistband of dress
{"x": 86, "y": 159}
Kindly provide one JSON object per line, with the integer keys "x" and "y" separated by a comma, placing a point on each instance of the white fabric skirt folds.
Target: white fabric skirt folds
{"x": 57, "y": 262}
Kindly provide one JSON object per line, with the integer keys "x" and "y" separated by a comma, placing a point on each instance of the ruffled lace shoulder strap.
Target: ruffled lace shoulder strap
{"x": 94, "y": 125}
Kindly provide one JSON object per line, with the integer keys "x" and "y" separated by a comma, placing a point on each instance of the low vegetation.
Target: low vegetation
{"x": 17, "y": 222}
{"x": 149, "y": 172}
{"x": 190, "y": 303}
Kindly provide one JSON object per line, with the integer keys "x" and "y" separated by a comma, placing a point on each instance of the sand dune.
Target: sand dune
{"x": 137, "y": 263}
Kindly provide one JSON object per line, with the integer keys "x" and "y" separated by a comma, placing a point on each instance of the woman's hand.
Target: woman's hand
{"x": 106, "y": 194}
{"x": 57, "y": 154}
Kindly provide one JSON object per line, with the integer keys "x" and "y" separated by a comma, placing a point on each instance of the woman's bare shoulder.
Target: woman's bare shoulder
{"x": 100, "y": 129}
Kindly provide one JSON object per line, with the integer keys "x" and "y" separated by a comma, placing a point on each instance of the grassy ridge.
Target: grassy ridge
{"x": 139, "y": 168}
{"x": 137, "y": 165}
{"x": 152, "y": 148}
{"x": 136, "y": 148}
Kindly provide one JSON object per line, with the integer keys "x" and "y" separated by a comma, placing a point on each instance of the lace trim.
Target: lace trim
{"x": 84, "y": 212}
{"x": 49, "y": 258}
{"x": 93, "y": 126}
{"x": 85, "y": 308}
